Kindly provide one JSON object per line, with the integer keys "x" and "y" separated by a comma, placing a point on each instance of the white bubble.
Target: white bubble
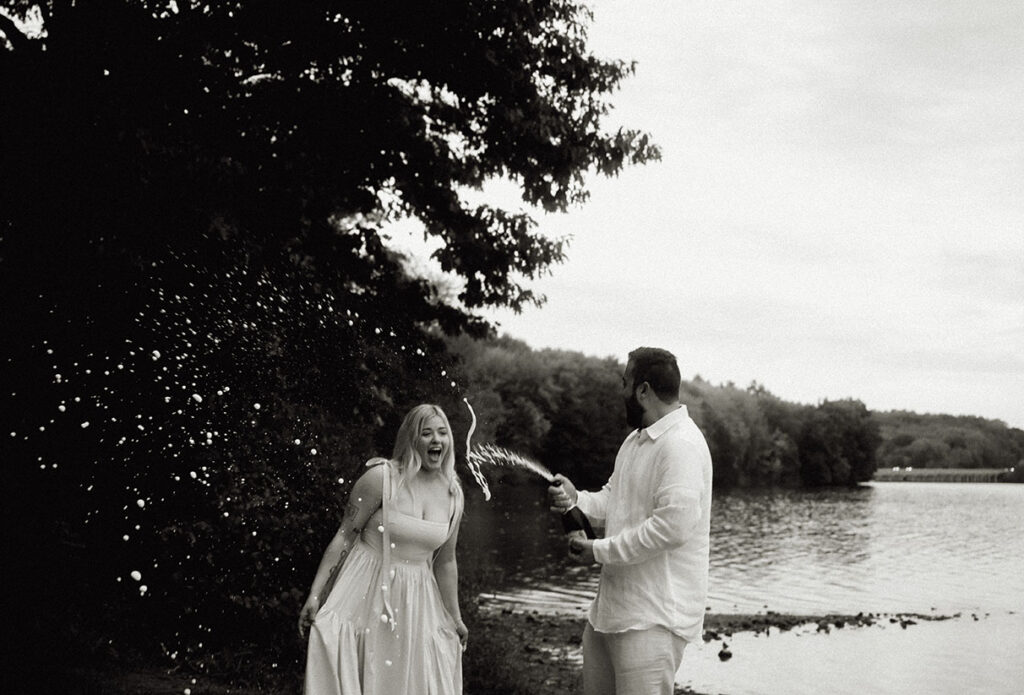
{"x": 141, "y": 503}
{"x": 155, "y": 355}
{"x": 125, "y": 537}
{"x": 61, "y": 407}
{"x": 256, "y": 406}
{"x": 197, "y": 398}
{"x": 136, "y": 575}
{"x": 143, "y": 589}
{"x": 85, "y": 424}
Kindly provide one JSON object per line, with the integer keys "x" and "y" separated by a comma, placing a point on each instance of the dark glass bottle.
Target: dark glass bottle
{"x": 575, "y": 520}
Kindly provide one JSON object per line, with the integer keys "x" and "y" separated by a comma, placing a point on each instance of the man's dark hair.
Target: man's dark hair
{"x": 659, "y": 369}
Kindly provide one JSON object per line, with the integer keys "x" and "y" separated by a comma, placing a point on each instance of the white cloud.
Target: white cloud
{"x": 837, "y": 212}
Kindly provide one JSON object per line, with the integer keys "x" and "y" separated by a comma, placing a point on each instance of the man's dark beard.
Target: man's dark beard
{"x": 634, "y": 411}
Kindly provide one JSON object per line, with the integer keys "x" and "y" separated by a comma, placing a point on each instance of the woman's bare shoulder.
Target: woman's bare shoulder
{"x": 369, "y": 483}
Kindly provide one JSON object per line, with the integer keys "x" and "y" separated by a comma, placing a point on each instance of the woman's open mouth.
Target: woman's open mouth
{"x": 434, "y": 454}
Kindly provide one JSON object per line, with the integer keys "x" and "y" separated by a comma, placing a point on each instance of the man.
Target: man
{"x": 656, "y": 510}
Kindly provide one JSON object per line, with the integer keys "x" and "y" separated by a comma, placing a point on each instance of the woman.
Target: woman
{"x": 374, "y": 636}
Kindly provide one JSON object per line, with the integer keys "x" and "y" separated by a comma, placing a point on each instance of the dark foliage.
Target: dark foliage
{"x": 206, "y": 331}
{"x": 565, "y": 409}
{"x": 560, "y": 407}
{"x": 947, "y": 441}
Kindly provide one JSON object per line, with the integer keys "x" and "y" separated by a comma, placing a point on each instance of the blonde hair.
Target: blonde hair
{"x": 406, "y": 458}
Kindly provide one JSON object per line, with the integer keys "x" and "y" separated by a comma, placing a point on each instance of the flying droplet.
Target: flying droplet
{"x": 197, "y": 398}
{"x": 136, "y": 575}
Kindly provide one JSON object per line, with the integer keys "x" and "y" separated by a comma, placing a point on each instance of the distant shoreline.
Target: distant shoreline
{"x": 943, "y": 475}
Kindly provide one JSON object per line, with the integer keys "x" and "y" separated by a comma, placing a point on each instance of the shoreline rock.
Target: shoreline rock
{"x": 552, "y": 650}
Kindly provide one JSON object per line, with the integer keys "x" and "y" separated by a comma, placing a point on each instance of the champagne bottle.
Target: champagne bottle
{"x": 575, "y": 520}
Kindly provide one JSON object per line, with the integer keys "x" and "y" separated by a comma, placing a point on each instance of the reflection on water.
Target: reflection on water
{"x": 938, "y": 658}
{"x": 939, "y": 548}
{"x": 885, "y": 547}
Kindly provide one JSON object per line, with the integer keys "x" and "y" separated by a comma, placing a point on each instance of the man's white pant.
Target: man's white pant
{"x": 635, "y": 662}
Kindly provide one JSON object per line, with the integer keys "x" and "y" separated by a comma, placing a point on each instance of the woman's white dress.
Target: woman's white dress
{"x": 353, "y": 649}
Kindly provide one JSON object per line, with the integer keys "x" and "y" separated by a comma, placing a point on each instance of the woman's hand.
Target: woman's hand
{"x": 463, "y": 633}
{"x": 306, "y": 615}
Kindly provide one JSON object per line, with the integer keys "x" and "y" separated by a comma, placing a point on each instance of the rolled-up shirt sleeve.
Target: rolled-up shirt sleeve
{"x": 676, "y": 511}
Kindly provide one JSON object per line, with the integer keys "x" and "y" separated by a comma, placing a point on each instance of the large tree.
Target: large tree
{"x": 204, "y": 325}
{"x": 300, "y": 127}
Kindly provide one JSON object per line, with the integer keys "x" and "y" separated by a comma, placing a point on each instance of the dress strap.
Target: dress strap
{"x": 386, "y": 572}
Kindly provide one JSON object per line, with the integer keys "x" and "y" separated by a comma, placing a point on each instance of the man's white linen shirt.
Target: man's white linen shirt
{"x": 656, "y": 509}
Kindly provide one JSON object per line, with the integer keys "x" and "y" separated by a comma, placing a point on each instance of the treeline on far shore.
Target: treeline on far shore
{"x": 565, "y": 409}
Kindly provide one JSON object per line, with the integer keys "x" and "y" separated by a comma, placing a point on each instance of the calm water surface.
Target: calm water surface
{"x": 931, "y": 548}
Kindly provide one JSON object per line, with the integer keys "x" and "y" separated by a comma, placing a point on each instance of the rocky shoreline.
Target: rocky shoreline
{"x": 545, "y": 649}
{"x": 550, "y": 644}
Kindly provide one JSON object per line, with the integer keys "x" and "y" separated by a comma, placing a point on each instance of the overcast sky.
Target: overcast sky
{"x": 838, "y": 213}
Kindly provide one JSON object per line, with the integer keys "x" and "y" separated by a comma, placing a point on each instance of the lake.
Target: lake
{"x": 929, "y": 548}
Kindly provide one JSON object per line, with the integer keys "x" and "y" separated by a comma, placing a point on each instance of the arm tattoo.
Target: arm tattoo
{"x": 351, "y": 511}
